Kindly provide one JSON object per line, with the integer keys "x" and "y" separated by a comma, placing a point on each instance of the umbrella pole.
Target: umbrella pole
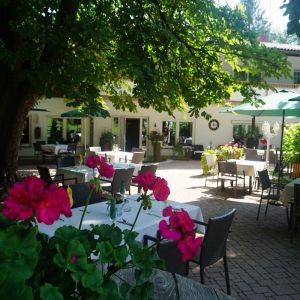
{"x": 84, "y": 135}
{"x": 280, "y": 154}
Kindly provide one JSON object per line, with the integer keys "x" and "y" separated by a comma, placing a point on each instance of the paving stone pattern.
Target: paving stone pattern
{"x": 263, "y": 264}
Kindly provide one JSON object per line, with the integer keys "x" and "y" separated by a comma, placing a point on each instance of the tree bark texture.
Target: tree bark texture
{"x": 16, "y": 101}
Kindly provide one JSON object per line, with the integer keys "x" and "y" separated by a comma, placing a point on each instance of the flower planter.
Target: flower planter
{"x": 156, "y": 152}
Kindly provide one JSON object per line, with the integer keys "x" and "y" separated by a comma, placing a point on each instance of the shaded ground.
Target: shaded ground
{"x": 263, "y": 264}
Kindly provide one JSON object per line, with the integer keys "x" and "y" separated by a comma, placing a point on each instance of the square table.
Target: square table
{"x": 287, "y": 194}
{"x": 85, "y": 174}
{"x": 250, "y": 168}
{"x": 54, "y": 148}
{"x": 147, "y": 223}
{"x": 116, "y": 156}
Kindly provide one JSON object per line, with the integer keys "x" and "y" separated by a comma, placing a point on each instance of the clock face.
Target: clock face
{"x": 213, "y": 124}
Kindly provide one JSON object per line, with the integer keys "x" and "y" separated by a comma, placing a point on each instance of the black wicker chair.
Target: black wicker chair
{"x": 214, "y": 243}
{"x": 65, "y": 161}
{"x": 80, "y": 192}
{"x": 169, "y": 254}
{"x": 227, "y": 171}
{"x": 121, "y": 175}
{"x": 271, "y": 197}
{"x": 57, "y": 179}
{"x": 295, "y": 210}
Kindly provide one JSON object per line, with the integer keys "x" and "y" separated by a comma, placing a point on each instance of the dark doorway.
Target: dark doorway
{"x": 132, "y": 134}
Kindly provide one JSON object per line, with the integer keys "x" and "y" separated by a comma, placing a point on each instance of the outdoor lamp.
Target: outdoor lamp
{"x": 266, "y": 128}
{"x": 276, "y": 128}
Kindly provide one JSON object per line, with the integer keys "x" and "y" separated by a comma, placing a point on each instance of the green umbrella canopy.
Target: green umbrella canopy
{"x": 273, "y": 106}
{"x": 85, "y": 112}
{"x": 280, "y": 104}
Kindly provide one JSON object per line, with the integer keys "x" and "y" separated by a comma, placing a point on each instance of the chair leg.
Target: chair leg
{"x": 259, "y": 208}
{"x": 226, "y": 275}
{"x": 217, "y": 186}
{"x": 267, "y": 208}
{"x": 202, "y": 275}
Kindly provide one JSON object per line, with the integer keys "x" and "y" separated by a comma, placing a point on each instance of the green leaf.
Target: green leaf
{"x": 19, "y": 252}
{"x": 49, "y": 292}
{"x": 92, "y": 278}
{"x": 106, "y": 251}
{"x": 121, "y": 254}
{"x": 124, "y": 289}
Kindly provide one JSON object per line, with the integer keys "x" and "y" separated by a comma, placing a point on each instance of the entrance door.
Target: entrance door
{"x": 132, "y": 134}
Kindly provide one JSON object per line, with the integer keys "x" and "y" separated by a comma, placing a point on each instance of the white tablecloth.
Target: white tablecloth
{"x": 85, "y": 174}
{"x": 54, "y": 148}
{"x": 250, "y": 167}
{"x": 116, "y": 156}
{"x": 287, "y": 194}
{"x": 146, "y": 224}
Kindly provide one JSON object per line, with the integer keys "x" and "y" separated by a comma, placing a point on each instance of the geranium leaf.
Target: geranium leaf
{"x": 116, "y": 236}
{"x": 92, "y": 278}
{"x": 19, "y": 251}
{"x": 106, "y": 251}
{"x": 49, "y": 292}
{"x": 121, "y": 254}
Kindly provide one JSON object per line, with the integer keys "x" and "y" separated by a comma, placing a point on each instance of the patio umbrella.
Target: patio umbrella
{"x": 86, "y": 113}
{"x": 279, "y": 104}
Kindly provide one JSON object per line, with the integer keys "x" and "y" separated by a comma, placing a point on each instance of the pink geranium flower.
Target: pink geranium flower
{"x": 93, "y": 161}
{"x": 106, "y": 170}
{"x": 189, "y": 246}
{"x": 19, "y": 204}
{"x": 145, "y": 180}
{"x": 161, "y": 189}
{"x": 181, "y": 229}
{"x": 32, "y": 198}
{"x": 167, "y": 232}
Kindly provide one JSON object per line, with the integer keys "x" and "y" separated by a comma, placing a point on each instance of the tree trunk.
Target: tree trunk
{"x": 16, "y": 102}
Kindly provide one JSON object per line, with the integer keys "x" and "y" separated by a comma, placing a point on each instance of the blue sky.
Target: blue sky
{"x": 273, "y": 12}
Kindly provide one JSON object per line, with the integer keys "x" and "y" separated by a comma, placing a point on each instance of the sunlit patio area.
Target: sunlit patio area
{"x": 262, "y": 262}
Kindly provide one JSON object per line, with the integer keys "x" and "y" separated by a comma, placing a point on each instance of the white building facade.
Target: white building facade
{"x": 130, "y": 129}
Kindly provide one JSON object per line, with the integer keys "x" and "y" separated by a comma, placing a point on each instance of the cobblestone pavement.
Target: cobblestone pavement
{"x": 263, "y": 264}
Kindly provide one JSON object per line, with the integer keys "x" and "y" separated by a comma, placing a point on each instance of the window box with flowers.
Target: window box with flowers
{"x": 229, "y": 151}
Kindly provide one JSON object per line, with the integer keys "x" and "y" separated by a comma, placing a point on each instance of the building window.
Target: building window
{"x": 169, "y": 132}
{"x": 242, "y": 76}
{"x": 54, "y": 130}
{"x": 185, "y": 133}
{"x": 25, "y": 133}
{"x": 296, "y": 76}
{"x": 239, "y": 132}
{"x": 74, "y": 130}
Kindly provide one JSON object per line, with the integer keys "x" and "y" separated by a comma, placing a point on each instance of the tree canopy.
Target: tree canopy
{"x": 165, "y": 54}
{"x": 257, "y": 18}
{"x": 292, "y": 9}
{"x": 173, "y": 52}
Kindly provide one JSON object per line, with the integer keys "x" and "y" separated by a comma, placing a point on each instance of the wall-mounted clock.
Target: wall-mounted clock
{"x": 213, "y": 124}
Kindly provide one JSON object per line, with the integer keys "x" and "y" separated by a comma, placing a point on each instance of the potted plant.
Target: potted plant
{"x": 178, "y": 151}
{"x": 106, "y": 141}
{"x": 155, "y": 138}
{"x": 291, "y": 148}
